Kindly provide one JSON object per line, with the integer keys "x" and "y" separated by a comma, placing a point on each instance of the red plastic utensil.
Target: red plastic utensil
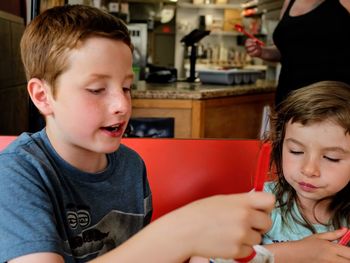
{"x": 345, "y": 239}
{"x": 246, "y": 259}
{"x": 262, "y": 167}
{"x": 241, "y": 29}
{"x": 261, "y": 171}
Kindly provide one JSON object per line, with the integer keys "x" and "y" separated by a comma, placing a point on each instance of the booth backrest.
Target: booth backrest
{"x": 6, "y": 140}
{"x": 183, "y": 170}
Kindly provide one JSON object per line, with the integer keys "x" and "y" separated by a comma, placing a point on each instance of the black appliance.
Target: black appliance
{"x": 191, "y": 40}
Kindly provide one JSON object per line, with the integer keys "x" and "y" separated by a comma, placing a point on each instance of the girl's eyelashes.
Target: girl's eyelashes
{"x": 296, "y": 152}
{"x": 335, "y": 160}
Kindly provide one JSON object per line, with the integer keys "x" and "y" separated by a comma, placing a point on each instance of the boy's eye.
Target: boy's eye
{"x": 335, "y": 160}
{"x": 126, "y": 89}
{"x": 96, "y": 91}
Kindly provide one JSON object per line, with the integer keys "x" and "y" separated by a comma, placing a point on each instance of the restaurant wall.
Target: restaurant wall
{"x": 13, "y": 95}
{"x": 15, "y": 7}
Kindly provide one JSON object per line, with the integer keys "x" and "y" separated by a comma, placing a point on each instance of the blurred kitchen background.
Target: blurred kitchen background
{"x": 184, "y": 46}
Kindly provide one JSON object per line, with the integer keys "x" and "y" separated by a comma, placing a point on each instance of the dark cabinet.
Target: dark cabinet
{"x": 14, "y": 100}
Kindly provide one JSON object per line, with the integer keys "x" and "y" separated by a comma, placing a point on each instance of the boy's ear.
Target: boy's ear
{"x": 40, "y": 94}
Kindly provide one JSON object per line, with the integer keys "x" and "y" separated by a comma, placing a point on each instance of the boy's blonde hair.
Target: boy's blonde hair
{"x": 49, "y": 38}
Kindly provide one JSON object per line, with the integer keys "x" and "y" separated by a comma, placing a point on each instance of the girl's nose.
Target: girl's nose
{"x": 310, "y": 167}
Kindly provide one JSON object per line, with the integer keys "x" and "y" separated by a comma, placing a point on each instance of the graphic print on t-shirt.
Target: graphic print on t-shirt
{"x": 112, "y": 230}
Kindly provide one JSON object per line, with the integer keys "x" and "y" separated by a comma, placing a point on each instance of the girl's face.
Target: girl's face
{"x": 316, "y": 160}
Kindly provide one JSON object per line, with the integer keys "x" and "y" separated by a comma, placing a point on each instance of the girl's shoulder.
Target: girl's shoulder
{"x": 269, "y": 187}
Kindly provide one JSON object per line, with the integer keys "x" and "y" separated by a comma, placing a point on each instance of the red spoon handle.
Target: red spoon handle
{"x": 345, "y": 239}
{"x": 241, "y": 29}
{"x": 246, "y": 259}
{"x": 262, "y": 167}
{"x": 260, "y": 176}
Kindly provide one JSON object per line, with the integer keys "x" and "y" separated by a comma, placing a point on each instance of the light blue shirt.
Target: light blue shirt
{"x": 291, "y": 230}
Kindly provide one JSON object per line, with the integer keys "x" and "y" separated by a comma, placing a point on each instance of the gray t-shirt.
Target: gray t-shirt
{"x": 47, "y": 205}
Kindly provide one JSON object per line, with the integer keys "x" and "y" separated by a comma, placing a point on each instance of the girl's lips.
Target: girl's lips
{"x": 307, "y": 187}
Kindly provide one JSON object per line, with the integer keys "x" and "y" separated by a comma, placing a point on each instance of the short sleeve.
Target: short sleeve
{"x": 27, "y": 223}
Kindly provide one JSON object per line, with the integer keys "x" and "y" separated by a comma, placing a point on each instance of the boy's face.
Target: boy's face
{"x": 316, "y": 160}
{"x": 92, "y": 105}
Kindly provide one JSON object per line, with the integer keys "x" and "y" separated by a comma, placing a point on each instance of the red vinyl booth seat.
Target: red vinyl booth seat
{"x": 5, "y": 140}
{"x": 183, "y": 170}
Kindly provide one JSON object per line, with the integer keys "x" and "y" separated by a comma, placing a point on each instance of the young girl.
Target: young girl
{"x": 311, "y": 153}
{"x": 311, "y": 158}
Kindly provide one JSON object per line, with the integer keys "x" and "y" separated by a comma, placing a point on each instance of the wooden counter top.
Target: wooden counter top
{"x": 197, "y": 91}
{"x": 205, "y": 111}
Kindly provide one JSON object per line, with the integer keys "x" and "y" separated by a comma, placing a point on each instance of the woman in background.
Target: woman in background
{"x": 312, "y": 43}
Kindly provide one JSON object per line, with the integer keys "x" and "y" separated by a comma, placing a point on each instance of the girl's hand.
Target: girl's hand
{"x": 320, "y": 248}
{"x": 253, "y": 48}
{"x": 326, "y": 248}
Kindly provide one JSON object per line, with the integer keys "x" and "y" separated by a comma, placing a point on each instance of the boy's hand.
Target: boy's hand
{"x": 227, "y": 226}
{"x": 321, "y": 248}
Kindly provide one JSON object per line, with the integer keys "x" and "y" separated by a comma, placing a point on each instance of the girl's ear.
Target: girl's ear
{"x": 40, "y": 94}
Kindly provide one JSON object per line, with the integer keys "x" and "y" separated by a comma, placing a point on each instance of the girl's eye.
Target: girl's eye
{"x": 335, "y": 160}
{"x": 295, "y": 152}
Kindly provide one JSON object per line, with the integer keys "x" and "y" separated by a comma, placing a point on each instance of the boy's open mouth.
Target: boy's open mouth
{"x": 112, "y": 128}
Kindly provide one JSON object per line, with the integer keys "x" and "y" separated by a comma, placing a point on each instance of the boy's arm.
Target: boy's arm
{"x": 315, "y": 248}
{"x": 220, "y": 226}
{"x": 39, "y": 258}
{"x": 224, "y": 226}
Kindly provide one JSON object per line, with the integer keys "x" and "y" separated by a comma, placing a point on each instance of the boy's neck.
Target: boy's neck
{"x": 82, "y": 159}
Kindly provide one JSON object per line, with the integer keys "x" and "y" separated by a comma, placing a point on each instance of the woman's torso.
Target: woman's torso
{"x": 314, "y": 46}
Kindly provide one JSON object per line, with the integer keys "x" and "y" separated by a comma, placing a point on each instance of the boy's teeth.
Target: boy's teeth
{"x": 113, "y": 127}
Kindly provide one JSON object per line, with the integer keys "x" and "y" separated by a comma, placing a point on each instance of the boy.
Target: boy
{"x": 72, "y": 192}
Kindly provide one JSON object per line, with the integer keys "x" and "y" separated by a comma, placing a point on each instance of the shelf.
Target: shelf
{"x": 250, "y": 4}
{"x": 216, "y": 33}
{"x": 150, "y": 1}
{"x": 209, "y": 6}
{"x": 224, "y": 33}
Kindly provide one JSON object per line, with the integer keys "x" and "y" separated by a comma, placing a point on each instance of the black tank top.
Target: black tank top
{"x": 314, "y": 46}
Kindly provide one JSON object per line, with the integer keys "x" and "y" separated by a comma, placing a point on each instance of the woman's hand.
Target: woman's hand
{"x": 253, "y": 48}
{"x": 268, "y": 53}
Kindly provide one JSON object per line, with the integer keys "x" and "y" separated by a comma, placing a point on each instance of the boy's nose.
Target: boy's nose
{"x": 119, "y": 103}
{"x": 310, "y": 168}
